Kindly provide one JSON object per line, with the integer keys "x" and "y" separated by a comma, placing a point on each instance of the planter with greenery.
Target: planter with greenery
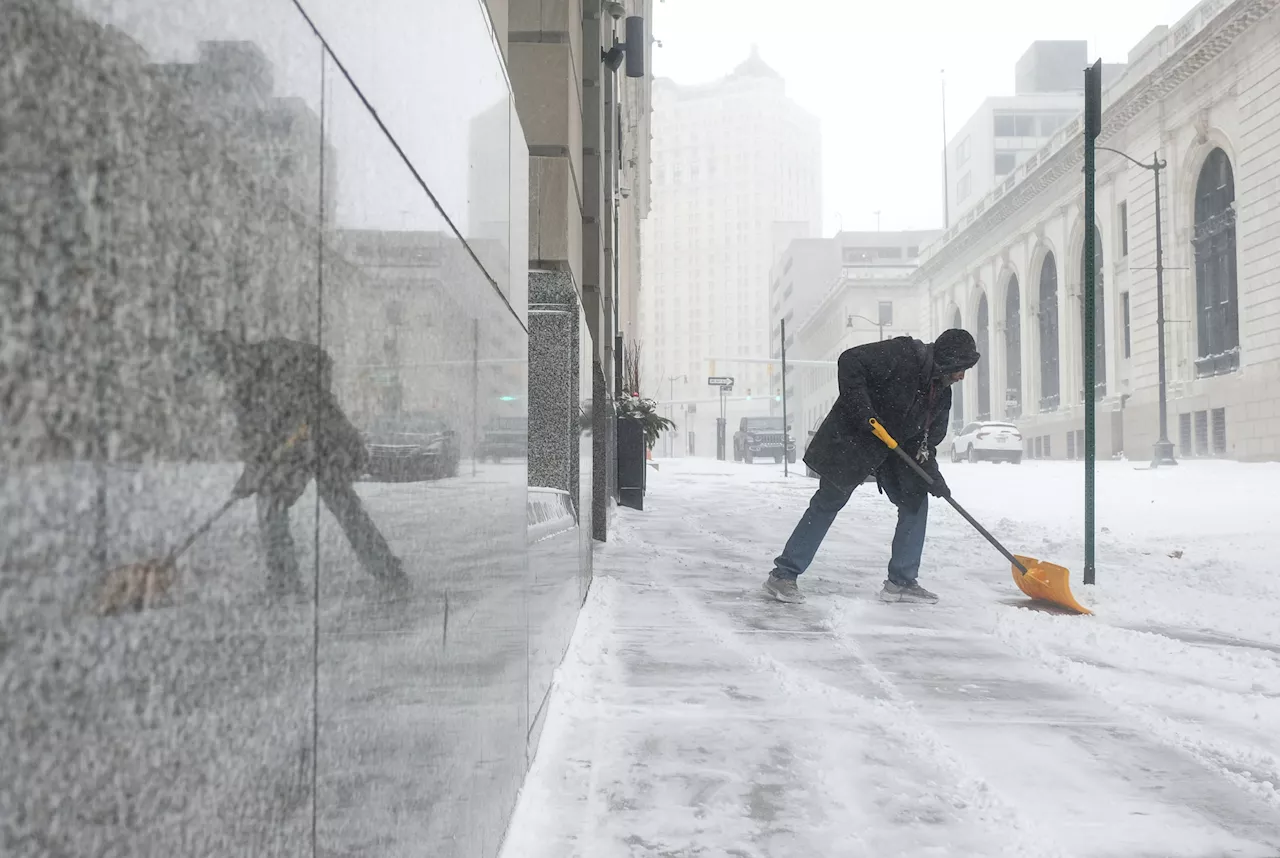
{"x": 632, "y": 407}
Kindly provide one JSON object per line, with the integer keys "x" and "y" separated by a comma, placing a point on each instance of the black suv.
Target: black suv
{"x": 761, "y": 438}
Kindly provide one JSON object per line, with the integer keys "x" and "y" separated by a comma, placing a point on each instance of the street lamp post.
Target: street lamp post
{"x": 1163, "y": 452}
{"x": 671, "y": 408}
{"x": 848, "y": 323}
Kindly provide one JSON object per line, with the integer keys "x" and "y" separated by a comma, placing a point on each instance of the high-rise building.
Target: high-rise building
{"x": 1006, "y": 130}
{"x": 731, "y": 159}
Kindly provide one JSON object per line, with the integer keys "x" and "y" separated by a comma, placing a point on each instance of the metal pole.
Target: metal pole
{"x": 722, "y": 431}
{"x": 1164, "y": 448}
{"x": 786, "y": 444}
{"x": 1093, "y": 122}
{"x": 1162, "y": 453}
{"x": 671, "y": 410}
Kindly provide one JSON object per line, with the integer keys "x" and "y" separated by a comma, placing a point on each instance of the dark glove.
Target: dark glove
{"x": 248, "y": 483}
{"x": 939, "y": 487}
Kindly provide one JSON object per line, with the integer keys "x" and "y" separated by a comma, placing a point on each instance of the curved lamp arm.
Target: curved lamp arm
{"x": 1157, "y": 164}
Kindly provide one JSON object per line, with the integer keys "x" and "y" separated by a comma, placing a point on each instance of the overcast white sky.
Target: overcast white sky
{"x": 871, "y": 70}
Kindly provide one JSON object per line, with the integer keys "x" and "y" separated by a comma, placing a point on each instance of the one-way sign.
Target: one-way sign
{"x": 720, "y": 381}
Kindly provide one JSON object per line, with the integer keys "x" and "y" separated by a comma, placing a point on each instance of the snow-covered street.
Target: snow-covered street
{"x": 693, "y": 717}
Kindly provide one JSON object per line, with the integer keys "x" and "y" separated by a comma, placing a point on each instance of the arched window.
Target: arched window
{"x": 1099, "y": 316}
{"x": 957, "y": 390}
{"x": 984, "y": 347}
{"x": 1050, "y": 391}
{"x": 1217, "y": 306}
{"x": 1012, "y": 350}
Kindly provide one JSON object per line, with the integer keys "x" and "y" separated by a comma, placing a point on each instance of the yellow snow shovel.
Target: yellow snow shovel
{"x": 141, "y": 586}
{"x": 1046, "y": 582}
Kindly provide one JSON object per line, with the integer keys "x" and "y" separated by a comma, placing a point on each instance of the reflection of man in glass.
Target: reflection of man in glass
{"x": 291, "y": 429}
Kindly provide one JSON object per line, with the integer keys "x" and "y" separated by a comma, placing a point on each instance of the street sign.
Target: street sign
{"x": 720, "y": 380}
{"x": 726, "y": 388}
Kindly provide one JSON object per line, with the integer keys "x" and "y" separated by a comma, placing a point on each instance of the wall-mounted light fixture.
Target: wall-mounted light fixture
{"x": 632, "y": 49}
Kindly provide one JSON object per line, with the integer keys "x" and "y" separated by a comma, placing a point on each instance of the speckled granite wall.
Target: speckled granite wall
{"x": 351, "y": 658}
{"x": 561, "y": 432}
{"x": 554, "y": 334}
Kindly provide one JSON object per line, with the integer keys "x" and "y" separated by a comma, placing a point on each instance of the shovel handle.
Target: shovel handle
{"x": 300, "y": 434}
{"x": 883, "y": 434}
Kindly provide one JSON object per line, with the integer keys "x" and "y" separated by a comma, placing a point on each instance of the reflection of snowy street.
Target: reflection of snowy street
{"x": 171, "y": 732}
{"x": 693, "y": 717}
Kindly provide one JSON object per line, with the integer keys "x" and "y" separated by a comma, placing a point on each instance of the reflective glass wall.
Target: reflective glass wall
{"x": 264, "y": 519}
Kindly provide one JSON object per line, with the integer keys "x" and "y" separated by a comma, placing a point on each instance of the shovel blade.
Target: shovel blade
{"x": 1047, "y": 582}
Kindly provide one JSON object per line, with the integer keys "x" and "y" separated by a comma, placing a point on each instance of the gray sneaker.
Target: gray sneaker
{"x": 783, "y": 589}
{"x": 911, "y": 593}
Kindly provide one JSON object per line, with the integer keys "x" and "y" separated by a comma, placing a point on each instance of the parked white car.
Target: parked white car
{"x": 992, "y": 442}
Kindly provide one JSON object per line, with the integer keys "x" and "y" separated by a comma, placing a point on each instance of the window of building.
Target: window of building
{"x": 886, "y": 312}
{"x": 1124, "y": 305}
{"x": 1214, "y": 242}
{"x": 1202, "y": 433}
{"x": 964, "y": 186}
{"x": 1122, "y": 217}
{"x": 1005, "y": 125}
{"x": 1050, "y": 379}
{"x": 1005, "y": 162}
{"x": 889, "y": 252}
{"x": 962, "y": 152}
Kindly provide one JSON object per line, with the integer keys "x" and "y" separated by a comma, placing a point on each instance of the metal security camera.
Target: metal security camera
{"x": 615, "y": 9}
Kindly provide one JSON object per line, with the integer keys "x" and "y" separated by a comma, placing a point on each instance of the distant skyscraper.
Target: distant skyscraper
{"x": 731, "y": 159}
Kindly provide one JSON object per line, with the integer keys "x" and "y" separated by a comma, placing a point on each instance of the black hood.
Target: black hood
{"x": 954, "y": 351}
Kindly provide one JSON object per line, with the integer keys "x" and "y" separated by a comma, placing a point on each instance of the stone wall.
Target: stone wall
{"x": 354, "y": 658}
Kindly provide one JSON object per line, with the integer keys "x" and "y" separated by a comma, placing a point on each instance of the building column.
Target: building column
{"x": 998, "y": 362}
{"x": 1031, "y": 326}
{"x": 545, "y": 47}
{"x": 554, "y": 383}
{"x": 1067, "y": 323}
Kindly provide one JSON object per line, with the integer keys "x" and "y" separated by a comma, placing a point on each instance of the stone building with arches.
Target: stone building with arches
{"x": 1204, "y": 95}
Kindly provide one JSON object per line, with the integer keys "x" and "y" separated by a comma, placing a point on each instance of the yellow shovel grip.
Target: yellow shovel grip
{"x": 883, "y": 434}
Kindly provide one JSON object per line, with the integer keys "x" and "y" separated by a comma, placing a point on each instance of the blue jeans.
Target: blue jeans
{"x": 828, "y": 500}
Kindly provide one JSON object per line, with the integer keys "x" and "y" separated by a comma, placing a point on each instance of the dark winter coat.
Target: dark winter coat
{"x": 277, "y": 387}
{"x": 897, "y": 382}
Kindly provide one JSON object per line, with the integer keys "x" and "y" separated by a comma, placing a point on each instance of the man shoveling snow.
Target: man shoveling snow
{"x": 905, "y": 384}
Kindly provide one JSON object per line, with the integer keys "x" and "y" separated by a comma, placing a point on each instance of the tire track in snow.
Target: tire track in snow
{"x": 894, "y": 718}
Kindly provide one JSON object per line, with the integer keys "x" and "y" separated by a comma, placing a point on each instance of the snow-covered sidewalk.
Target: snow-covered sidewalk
{"x": 693, "y": 717}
